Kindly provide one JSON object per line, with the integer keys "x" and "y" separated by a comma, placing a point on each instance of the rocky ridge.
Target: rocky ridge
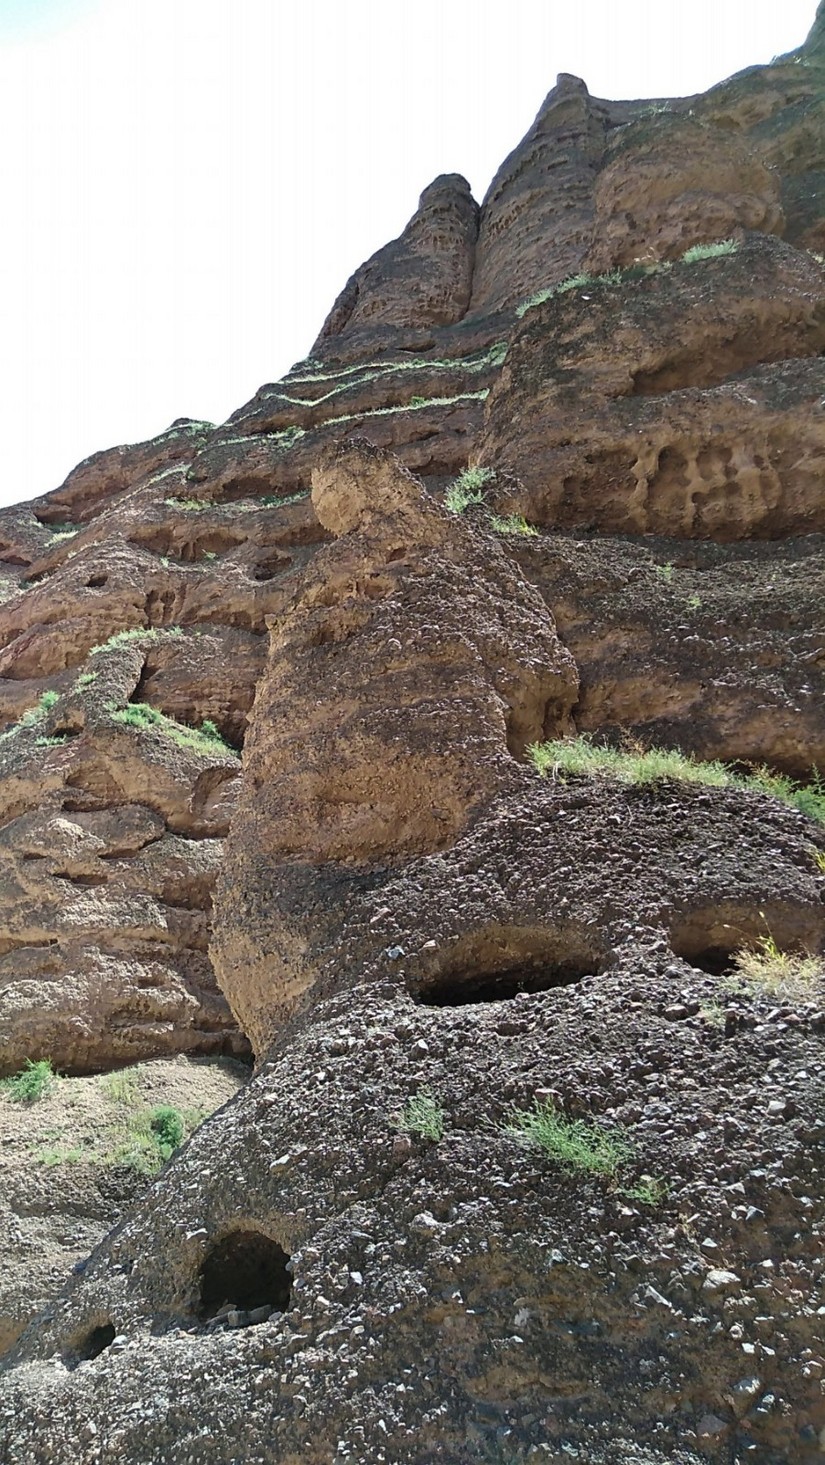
{"x": 418, "y": 933}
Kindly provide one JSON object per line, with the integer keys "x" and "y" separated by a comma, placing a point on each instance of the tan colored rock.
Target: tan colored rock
{"x": 71, "y": 1165}
{"x": 410, "y": 628}
{"x": 109, "y": 844}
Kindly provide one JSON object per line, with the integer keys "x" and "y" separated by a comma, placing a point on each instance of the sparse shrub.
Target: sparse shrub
{"x": 33, "y": 1082}
{"x": 573, "y": 1143}
{"x": 709, "y": 251}
{"x": 468, "y": 489}
{"x": 150, "y": 1139}
{"x": 580, "y": 757}
{"x": 819, "y": 860}
{"x": 167, "y": 1124}
{"x": 649, "y": 1190}
{"x": 665, "y": 572}
{"x": 421, "y": 1115}
{"x": 122, "y": 1087}
{"x": 85, "y": 680}
{"x": 781, "y": 975}
{"x": 694, "y": 602}
{"x": 189, "y": 506}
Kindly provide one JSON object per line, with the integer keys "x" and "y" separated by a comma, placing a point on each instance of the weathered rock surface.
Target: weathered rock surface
{"x": 359, "y": 1258}
{"x": 424, "y": 277}
{"x": 682, "y": 403}
{"x": 411, "y": 657}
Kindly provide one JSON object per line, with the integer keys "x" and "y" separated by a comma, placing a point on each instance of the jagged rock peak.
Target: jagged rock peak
{"x": 423, "y": 277}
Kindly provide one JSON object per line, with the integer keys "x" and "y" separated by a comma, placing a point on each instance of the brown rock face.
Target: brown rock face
{"x": 411, "y": 628}
{"x": 424, "y": 277}
{"x": 531, "y": 1166}
{"x": 537, "y": 218}
{"x": 667, "y": 183}
{"x": 681, "y": 403}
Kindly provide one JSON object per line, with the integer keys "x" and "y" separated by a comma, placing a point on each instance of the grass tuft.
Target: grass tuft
{"x": 421, "y": 1115}
{"x": 144, "y": 718}
{"x": 512, "y": 524}
{"x": 468, "y": 489}
{"x": 781, "y": 975}
{"x": 572, "y": 1143}
{"x": 709, "y": 251}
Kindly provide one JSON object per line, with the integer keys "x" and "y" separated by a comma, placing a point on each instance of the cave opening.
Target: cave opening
{"x": 501, "y": 963}
{"x": 245, "y": 1269}
{"x": 96, "y": 1342}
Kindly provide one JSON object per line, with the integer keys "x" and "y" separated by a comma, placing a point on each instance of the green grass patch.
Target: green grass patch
{"x": 189, "y": 506}
{"x": 579, "y": 757}
{"x": 33, "y": 716}
{"x": 423, "y": 1116}
{"x": 572, "y": 1143}
{"x": 699, "y": 252}
{"x": 135, "y": 633}
{"x": 150, "y": 1139}
{"x": 122, "y": 1087}
{"x": 33, "y": 1082}
{"x": 52, "y": 1155}
{"x": 142, "y": 717}
{"x": 635, "y": 271}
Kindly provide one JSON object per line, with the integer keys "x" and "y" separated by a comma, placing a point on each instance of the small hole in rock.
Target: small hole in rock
{"x": 717, "y": 961}
{"x": 245, "y": 1271}
{"x": 97, "y": 1340}
{"x": 96, "y": 582}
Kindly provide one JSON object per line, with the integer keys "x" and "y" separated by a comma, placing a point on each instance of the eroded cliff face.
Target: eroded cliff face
{"x": 420, "y": 935}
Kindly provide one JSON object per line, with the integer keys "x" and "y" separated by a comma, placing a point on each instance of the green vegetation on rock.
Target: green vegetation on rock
{"x": 33, "y": 1082}
{"x": 583, "y": 758}
{"x": 205, "y": 739}
{"x": 573, "y": 1143}
{"x": 421, "y": 1115}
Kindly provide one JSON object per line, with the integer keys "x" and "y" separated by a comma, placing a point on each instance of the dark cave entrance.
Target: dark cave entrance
{"x": 461, "y": 989}
{"x": 246, "y": 1269}
{"x": 717, "y": 961}
{"x": 500, "y": 963}
{"x": 95, "y": 1342}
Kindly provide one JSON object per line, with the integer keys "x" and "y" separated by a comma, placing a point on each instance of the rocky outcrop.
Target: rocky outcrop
{"x": 684, "y": 402}
{"x": 421, "y": 279}
{"x": 529, "y": 1167}
{"x": 410, "y": 627}
{"x": 74, "y": 1162}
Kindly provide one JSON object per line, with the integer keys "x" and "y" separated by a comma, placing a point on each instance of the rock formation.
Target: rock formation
{"x": 530, "y": 1167}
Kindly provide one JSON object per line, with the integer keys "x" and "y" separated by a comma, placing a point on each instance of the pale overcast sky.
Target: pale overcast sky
{"x": 187, "y": 184}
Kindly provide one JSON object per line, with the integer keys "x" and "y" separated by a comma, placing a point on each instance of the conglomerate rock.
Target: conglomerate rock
{"x": 362, "y": 1257}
